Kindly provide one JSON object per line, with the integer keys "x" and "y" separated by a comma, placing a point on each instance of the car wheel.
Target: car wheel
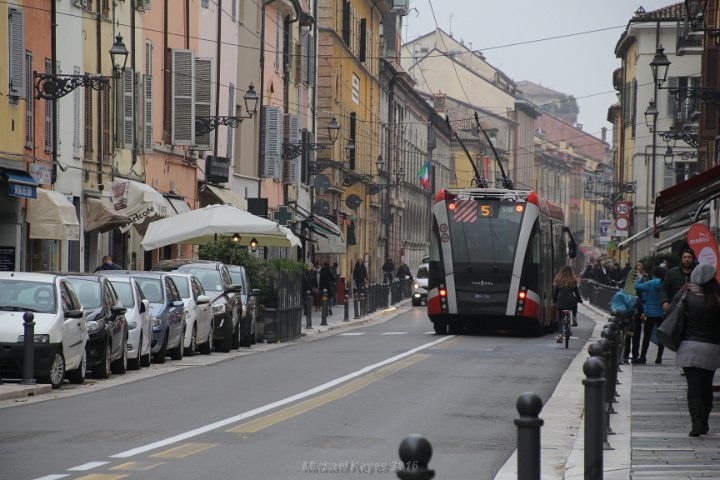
{"x": 159, "y": 357}
{"x": 440, "y": 328}
{"x": 77, "y": 376}
{"x": 226, "y": 343}
{"x": 177, "y": 352}
{"x": 190, "y": 351}
{"x": 102, "y": 369}
{"x": 57, "y": 372}
{"x": 119, "y": 366}
{"x": 206, "y": 348}
{"x": 134, "y": 363}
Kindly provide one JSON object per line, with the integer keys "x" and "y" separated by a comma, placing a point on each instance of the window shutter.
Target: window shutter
{"x": 291, "y": 134}
{"x": 353, "y": 132}
{"x": 299, "y": 63}
{"x": 304, "y": 41}
{"x": 17, "y": 52}
{"x": 234, "y": 9}
{"x": 363, "y": 39}
{"x": 672, "y": 102}
{"x": 204, "y": 100}
{"x": 88, "y": 123}
{"x": 271, "y": 141}
{"x": 48, "y": 113}
{"x": 107, "y": 148}
{"x": 277, "y": 40}
{"x": 346, "y": 22}
{"x": 148, "y": 57}
{"x": 29, "y": 102}
{"x": 709, "y": 127}
{"x": 77, "y": 145}
{"x": 311, "y": 61}
{"x": 127, "y": 130}
{"x": 147, "y": 123}
{"x": 231, "y": 113}
{"x": 183, "y": 96}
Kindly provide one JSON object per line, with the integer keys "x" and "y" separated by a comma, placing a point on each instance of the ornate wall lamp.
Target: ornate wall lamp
{"x": 205, "y": 125}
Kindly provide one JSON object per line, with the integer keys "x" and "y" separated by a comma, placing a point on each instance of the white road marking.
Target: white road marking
{"x": 257, "y": 411}
{"x": 53, "y": 477}
{"x": 395, "y": 333}
{"x": 87, "y": 466}
{"x": 430, "y": 333}
{"x": 351, "y": 334}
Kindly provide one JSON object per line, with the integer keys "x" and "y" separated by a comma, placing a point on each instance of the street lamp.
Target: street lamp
{"x": 668, "y": 157}
{"x": 205, "y": 125}
{"x": 50, "y": 86}
{"x": 659, "y": 65}
{"x": 293, "y": 150}
{"x": 253, "y": 245}
{"x": 651, "y": 115}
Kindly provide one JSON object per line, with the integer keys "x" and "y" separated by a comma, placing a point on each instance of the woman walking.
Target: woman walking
{"x": 565, "y": 296}
{"x": 699, "y": 351}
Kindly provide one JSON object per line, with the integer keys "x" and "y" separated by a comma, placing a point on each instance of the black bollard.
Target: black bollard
{"x": 346, "y": 309}
{"x": 528, "y": 425}
{"x": 607, "y": 352}
{"x": 608, "y": 334}
{"x": 596, "y": 349}
{"x": 415, "y": 453}
{"x": 594, "y": 421}
{"x": 324, "y": 299}
{"x": 308, "y": 310}
{"x": 362, "y": 303}
{"x": 28, "y": 353}
{"x": 355, "y": 304}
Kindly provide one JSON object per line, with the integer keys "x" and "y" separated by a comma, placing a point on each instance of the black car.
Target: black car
{"x": 224, "y": 297}
{"x": 248, "y": 335}
{"x": 107, "y": 327}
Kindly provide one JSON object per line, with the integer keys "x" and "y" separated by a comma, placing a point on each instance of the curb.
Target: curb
{"x": 10, "y": 391}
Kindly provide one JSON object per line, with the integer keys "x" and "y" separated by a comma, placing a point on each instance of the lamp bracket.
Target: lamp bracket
{"x": 293, "y": 150}
{"x": 54, "y": 87}
{"x": 316, "y": 167}
{"x": 710, "y": 96}
{"x": 690, "y": 137}
{"x": 205, "y": 125}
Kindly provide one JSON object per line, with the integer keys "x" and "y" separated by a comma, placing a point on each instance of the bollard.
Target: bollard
{"x": 607, "y": 352}
{"x": 594, "y": 406}
{"x": 597, "y": 350}
{"x": 528, "y": 406}
{"x": 608, "y": 334}
{"x": 308, "y": 310}
{"x": 28, "y": 353}
{"x": 415, "y": 453}
{"x": 324, "y": 299}
{"x": 346, "y": 309}
{"x": 362, "y": 302}
{"x": 355, "y": 304}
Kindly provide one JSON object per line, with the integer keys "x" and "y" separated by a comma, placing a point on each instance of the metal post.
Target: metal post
{"x": 355, "y": 304}
{"x": 594, "y": 385}
{"x": 362, "y": 302}
{"x": 415, "y": 453}
{"x": 596, "y": 350}
{"x": 528, "y": 425}
{"x": 346, "y": 308}
{"x": 324, "y": 300}
{"x": 308, "y": 310}
{"x": 28, "y": 353}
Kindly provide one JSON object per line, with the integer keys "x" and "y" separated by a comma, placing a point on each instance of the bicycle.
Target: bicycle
{"x": 567, "y": 319}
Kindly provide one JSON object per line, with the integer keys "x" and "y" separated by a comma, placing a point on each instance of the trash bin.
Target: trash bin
{"x": 340, "y": 291}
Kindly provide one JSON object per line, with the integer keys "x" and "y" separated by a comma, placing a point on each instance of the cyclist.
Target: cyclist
{"x": 566, "y": 295}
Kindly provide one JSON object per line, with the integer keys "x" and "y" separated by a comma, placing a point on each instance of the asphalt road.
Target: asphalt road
{"x": 340, "y": 402}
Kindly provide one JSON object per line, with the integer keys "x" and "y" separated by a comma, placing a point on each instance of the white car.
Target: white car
{"x": 60, "y": 332}
{"x": 138, "y": 319}
{"x": 420, "y": 284}
{"x": 198, "y": 314}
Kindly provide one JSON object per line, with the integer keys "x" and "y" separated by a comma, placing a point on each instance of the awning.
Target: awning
{"x": 228, "y": 197}
{"x": 690, "y": 192}
{"x": 178, "y": 203}
{"x": 680, "y": 219}
{"x": 591, "y": 251}
{"x": 52, "y": 217}
{"x": 329, "y": 238}
{"x": 100, "y": 214}
{"x": 140, "y": 202}
{"x": 20, "y": 183}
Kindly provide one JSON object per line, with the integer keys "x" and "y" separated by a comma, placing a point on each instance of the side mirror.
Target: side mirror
{"x": 256, "y": 292}
{"x": 572, "y": 250}
{"x": 144, "y": 305}
{"x": 203, "y": 300}
{"x": 233, "y": 288}
{"x": 74, "y": 314}
{"x": 118, "y": 310}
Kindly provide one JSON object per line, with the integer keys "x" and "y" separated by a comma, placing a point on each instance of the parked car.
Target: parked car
{"x": 248, "y": 295}
{"x": 420, "y": 284}
{"x": 138, "y": 319}
{"x": 60, "y": 331}
{"x": 106, "y": 324}
{"x": 224, "y": 297}
{"x": 198, "y": 314}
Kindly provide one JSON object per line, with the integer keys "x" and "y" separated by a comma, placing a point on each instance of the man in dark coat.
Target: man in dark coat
{"x": 107, "y": 264}
{"x": 389, "y": 268}
{"x": 676, "y": 277}
{"x": 327, "y": 282}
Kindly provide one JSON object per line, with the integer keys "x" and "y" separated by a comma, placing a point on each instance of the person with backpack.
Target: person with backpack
{"x": 652, "y": 308}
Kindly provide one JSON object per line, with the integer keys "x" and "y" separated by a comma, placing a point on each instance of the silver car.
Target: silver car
{"x": 198, "y": 314}
{"x": 138, "y": 318}
{"x": 420, "y": 284}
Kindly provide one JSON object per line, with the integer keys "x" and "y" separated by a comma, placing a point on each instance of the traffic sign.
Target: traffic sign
{"x": 622, "y": 223}
{"x": 622, "y": 208}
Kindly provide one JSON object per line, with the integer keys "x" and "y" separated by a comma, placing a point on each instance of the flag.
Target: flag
{"x": 425, "y": 175}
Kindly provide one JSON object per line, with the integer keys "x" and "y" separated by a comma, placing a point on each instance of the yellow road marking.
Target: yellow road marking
{"x": 102, "y": 476}
{"x": 450, "y": 343}
{"x": 335, "y": 394}
{"x": 136, "y": 466}
{"x": 184, "y": 450}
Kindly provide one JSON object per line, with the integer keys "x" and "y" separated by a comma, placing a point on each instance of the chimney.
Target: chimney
{"x": 603, "y": 134}
{"x": 439, "y": 99}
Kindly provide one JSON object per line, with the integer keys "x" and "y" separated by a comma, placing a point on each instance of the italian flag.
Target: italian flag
{"x": 425, "y": 175}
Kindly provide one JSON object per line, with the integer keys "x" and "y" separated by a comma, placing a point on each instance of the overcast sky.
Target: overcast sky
{"x": 579, "y": 65}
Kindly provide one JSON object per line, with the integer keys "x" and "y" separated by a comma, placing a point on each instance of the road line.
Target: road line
{"x": 102, "y": 476}
{"x": 53, "y": 477}
{"x": 327, "y": 397}
{"x": 136, "y": 466}
{"x": 87, "y": 466}
{"x": 351, "y": 334}
{"x": 265, "y": 408}
{"x": 395, "y": 333}
{"x": 186, "y": 450}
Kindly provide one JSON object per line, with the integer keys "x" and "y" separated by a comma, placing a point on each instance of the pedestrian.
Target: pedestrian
{"x": 652, "y": 308}
{"x": 616, "y": 275}
{"x": 310, "y": 284}
{"x": 565, "y": 296}
{"x": 336, "y": 275}
{"x": 388, "y": 268}
{"x": 600, "y": 273}
{"x": 403, "y": 271}
{"x": 634, "y": 332}
{"x": 359, "y": 274}
{"x": 665, "y": 264}
{"x": 699, "y": 351}
{"x": 107, "y": 264}
{"x": 327, "y": 282}
{"x": 589, "y": 273}
{"x": 677, "y": 276}
{"x": 626, "y": 269}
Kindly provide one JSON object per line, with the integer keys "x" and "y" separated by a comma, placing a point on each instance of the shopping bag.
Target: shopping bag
{"x": 670, "y": 331}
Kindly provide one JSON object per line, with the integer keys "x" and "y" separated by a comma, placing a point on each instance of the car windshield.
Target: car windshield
{"x": 25, "y": 296}
{"x": 210, "y": 279}
{"x": 152, "y": 289}
{"x": 124, "y": 291}
{"x": 422, "y": 272}
{"x": 182, "y": 285}
{"x": 88, "y": 292}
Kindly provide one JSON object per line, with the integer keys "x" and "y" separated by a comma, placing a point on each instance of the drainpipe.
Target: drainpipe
{"x": 134, "y": 67}
{"x": 53, "y": 58}
{"x": 217, "y": 72}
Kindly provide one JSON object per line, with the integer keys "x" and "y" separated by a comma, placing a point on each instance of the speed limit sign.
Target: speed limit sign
{"x": 622, "y": 209}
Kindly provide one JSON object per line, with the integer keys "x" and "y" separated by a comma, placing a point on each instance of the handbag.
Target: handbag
{"x": 670, "y": 331}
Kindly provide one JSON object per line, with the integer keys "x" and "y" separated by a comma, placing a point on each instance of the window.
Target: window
{"x": 277, "y": 41}
{"x": 147, "y": 114}
{"x": 183, "y": 97}
{"x": 346, "y": 22}
{"x": 363, "y": 40}
{"x": 48, "y": 113}
{"x": 127, "y": 111}
{"x": 205, "y": 3}
{"x": 684, "y": 110}
{"x": 16, "y": 40}
{"x": 353, "y": 132}
{"x": 29, "y": 102}
{"x": 107, "y": 148}
{"x": 231, "y": 113}
{"x": 204, "y": 99}
{"x": 77, "y": 145}
{"x": 271, "y": 131}
{"x": 88, "y": 123}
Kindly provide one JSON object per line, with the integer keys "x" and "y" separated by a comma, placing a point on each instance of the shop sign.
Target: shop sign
{"x": 702, "y": 242}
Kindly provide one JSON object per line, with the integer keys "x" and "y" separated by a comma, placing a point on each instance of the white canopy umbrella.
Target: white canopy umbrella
{"x": 203, "y": 226}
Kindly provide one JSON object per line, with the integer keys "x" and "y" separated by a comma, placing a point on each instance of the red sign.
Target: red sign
{"x": 703, "y": 244}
